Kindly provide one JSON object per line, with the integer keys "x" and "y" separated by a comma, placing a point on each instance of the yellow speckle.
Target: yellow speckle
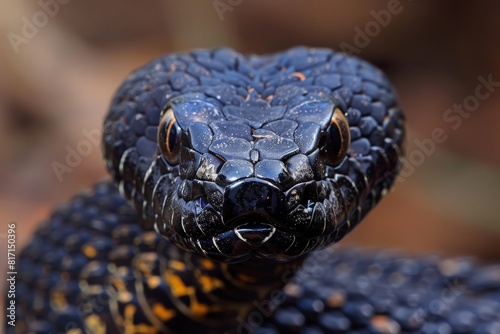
{"x": 177, "y": 265}
{"x": 74, "y": 331}
{"x": 146, "y": 262}
{"x": 198, "y": 309}
{"x": 210, "y": 283}
{"x": 59, "y": 299}
{"x": 125, "y": 297}
{"x": 177, "y": 286}
{"x": 89, "y": 251}
{"x": 144, "y": 329}
{"x": 129, "y": 311}
{"x": 335, "y": 300}
{"x": 162, "y": 313}
{"x": 131, "y": 328}
{"x": 154, "y": 281}
{"x": 95, "y": 324}
{"x": 129, "y": 319}
{"x": 207, "y": 264}
{"x": 119, "y": 285}
{"x": 385, "y": 324}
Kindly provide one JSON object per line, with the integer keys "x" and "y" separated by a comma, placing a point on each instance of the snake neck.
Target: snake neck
{"x": 183, "y": 291}
{"x": 220, "y": 296}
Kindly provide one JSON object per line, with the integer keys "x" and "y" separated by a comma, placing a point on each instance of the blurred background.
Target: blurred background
{"x": 61, "y": 61}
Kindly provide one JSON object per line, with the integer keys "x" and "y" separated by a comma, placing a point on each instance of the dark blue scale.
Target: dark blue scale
{"x": 299, "y": 168}
{"x": 318, "y": 112}
{"x": 254, "y": 115}
{"x": 307, "y": 136}
{"x": 212, "y": 63}
{"x": 284, "y": 128}
{"x": 233, "y": 171}
{"x": 231, "y": 149}
{"x": 72, "y": 266}
{"x": 227, "y": 129}
{"x": 274, "y": 171}
{"x": 287, "y": 93}
{"x": 275, "y": 148}
{"x": 214, "y": 194}
{"x": 180, "y": 80}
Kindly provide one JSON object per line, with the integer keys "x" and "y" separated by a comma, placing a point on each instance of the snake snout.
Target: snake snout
{"x": 254, "y": 197}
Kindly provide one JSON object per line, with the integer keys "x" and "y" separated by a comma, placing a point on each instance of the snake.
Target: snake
{"x": 232, "y": 177}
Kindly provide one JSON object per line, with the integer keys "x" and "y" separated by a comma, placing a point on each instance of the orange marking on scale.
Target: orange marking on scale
{"x": 144, "y": 329}
{"x": 119, "y": 284}
{"x": 198, "y": 309}
{"x": 299, "y": 75}
{"x": 125, "y": 297}
{"x": 163, "y": 313}
{"x": 89, "y": 251}
{"x": 177, "y": 286}
{"x": 210, "y": 283}
{"x": 206, "y": 263}
{"x": 59, "y": 300}
{"x": 95, "y": 324}
{"x": 154, "y": 282}
{"x": 177, "y": 265}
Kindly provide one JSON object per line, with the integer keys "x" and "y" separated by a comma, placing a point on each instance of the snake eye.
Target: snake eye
{"x": 169, "y": 137}
{"x": 339, "y": 137}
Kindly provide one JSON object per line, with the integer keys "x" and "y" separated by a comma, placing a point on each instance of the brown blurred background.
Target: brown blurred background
{"x": 58, "y": 82}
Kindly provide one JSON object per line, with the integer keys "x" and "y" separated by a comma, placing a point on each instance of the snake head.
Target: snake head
{"x": 244, "y": 172}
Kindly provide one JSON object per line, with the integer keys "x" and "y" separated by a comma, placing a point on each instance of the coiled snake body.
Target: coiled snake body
{"x": 236, "y": 168}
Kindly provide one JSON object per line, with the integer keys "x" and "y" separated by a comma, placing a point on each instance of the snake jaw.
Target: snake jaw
{"x": 256, "y": 220}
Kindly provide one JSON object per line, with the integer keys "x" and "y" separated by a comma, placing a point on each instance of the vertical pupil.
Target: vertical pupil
{"x": 339, "y": 137}
{"x": 336, "y": 139}
{"x": 171, "y": 135}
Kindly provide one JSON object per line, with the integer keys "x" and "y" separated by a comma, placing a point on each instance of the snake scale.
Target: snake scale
{"x": 232, "y": 176}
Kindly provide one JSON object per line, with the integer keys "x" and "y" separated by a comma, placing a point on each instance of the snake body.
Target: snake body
{"x": 228, "y": 170}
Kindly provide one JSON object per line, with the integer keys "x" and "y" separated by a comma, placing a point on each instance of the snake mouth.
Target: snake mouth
{"x": 254, "y": 238}
{"x": 254, "y": 234}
